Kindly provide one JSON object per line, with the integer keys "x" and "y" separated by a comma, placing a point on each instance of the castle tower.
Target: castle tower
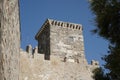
{"x": 61, "y": 54}
{"x": 61, "y": 39}
{"x": 9, "y": 40}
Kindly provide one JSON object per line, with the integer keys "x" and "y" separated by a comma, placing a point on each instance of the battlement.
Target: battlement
{"x": 31, "y": 50}
{"x": 33, "y": 53}
{"x": 65, "y": 24}
{"x": 51, "y": 22}
{"x": 61, "y": 24}
{"x": 95, "y": 63}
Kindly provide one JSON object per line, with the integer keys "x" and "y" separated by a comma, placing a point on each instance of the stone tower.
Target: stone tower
{"x": 59, "y": 54}
{"x": 9, "y": 40}
{"x": 62, "y": 39}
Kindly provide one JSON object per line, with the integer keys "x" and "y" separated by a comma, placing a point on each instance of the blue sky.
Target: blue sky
{"x": 33, "y": 13}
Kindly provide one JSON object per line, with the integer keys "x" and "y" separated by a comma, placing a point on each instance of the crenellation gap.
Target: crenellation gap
{"x": 52, "y": 23}
{"x": 67, "y": 24}
{"x": 70, "y": 25}
{"x": 79, "y": 27}
{"x": 73, "y": 26}
{"x": 55, "y": 22}
{"x": 62, "y": 24}
{"x": 76, "y": 26}
{"x": 59, "y": 23}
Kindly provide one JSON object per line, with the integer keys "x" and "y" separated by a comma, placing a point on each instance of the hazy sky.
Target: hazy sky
{"x": 34, "y": 12}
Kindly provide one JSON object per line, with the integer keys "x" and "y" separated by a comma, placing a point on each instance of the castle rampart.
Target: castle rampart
{"x": 59, "y": 55}
{"x": 37, "y": 68}
{"x": 62, "y": 39}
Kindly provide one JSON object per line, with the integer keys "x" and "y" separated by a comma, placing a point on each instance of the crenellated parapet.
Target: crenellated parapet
{"x": 94, "y": 63}
{"x": 31, "y": 51}
{"x": 51, "y": 22}
{"x": 65, "y": 24}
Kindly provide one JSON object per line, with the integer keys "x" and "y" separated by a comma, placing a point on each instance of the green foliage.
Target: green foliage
{"x": 107, "y": 18}
{"x": 113, "y": 62}
{"x": 107, "y": 22}
{"x": 99, "y": 74}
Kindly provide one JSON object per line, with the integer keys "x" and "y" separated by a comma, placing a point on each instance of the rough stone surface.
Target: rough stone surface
{"x": 37, "y": 68}
{"x": 62, "y": 39}
{"x": 61, "y": 54}
{"x": 9, "y": 40}
{"x": 60, "y": 46}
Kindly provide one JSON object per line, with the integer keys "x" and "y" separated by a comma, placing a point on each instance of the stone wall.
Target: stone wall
{"x": 37, "y": 68}
{"x": 33, "y": 66}
{"x": 9, "y": 40}
{"x": 66, "y": 40}
{"x": 62, "y": 39}
{"x": 64, "y": 43}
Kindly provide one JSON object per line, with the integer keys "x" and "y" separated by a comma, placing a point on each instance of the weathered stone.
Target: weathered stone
{"x": 94, "y": 64}
{"x": 60, "y": 54}
{"x": 38, "y": 68}
{"x": 35, "y": 50}
{"x": 29, "y": 49}
{"x": 54, "y": 69}
{"x": 60, "y": 46}
{"x": 9, "y": 40}
{"x": 60, "y": 38}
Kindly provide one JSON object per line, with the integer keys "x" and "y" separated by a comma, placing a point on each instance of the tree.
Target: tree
{"x": 99, "y": 74}
{"x": 107, "y": 22}
{"x": 113, "y": 62}
{"x": 107, "y": 18}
